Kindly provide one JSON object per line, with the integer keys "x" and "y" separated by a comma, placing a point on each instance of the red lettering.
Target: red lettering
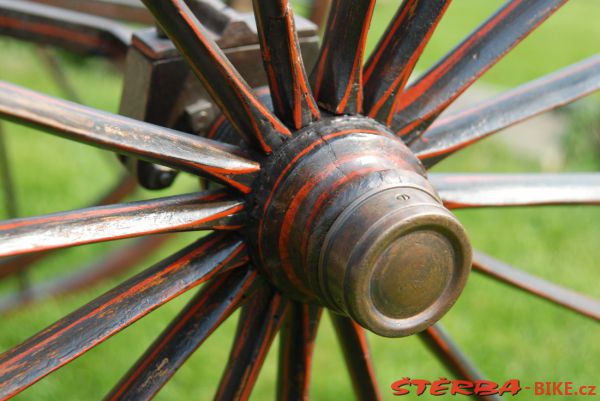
{"x": 439, "y": 387}
{"x": 592, "y": 390}
{"x": 568, "y": 388}
{"x": 512, "y": 386}
{"x": 538, "y": 389}
{"x": 397, "y": 386}
{"x": 556, "y": 388}
{"x": 421, "y": 385}
{"x": 485, "y": 387}
{"x": 461, "y": 387}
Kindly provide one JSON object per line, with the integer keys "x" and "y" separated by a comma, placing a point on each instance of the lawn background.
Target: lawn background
{"x": 506, "y": 332}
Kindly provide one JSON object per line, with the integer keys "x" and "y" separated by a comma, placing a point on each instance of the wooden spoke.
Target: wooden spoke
{"x": 297, "y": 338}
{"x": 200, "y": 211}
{"x": 203, "y": 314}
{"x": 353, "y": 341}
{"x": 127, "y": 136}
{"x": 318, "y": 11}
{"x": 259, "y": 322}
{"x": 59, "y": 77}
{"x": 536, "y": 286}
{"x": 399, "y": 49}
{"x": 125, "y": 10}
{"x": 424, "y": 100}
{"x": 489, "y": 190}
{"x": 449, "y": 354}
{"x": 225, "y": 85}
{"x": 290, "y": 90}
{"x": 93, "y": 323}
{"x": 337, "y": 76}
{"x": 111, "y": 265}
{"x": 450, "y": 134}
{"x": 12, "y": 265}
{"x": 74, "y": 31}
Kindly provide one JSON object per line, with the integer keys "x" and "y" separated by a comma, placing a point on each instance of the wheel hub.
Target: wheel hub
{"x": 345, "y": 217}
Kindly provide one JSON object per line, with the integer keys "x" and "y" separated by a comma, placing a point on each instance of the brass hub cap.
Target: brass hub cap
{"x": 346, "y": 218}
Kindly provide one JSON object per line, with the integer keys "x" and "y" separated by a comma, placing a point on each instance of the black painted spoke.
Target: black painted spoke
{"x": 337, "y": 76}
{"x": 227, "y": 88}
{"x": 58, "y": 74}
{"x": 125, "y": 10}
{"x": 318, "y": 11}
{"x": 489, "y": 190}
{"x": 457, "y": 131}
{"x": 73, "y": 31}
{"x": 449, "y": 354}
{"x": 353, "y": 341}
{"x": 216, "y": 301}
{"x": 344, "y": 166}
{"x": 199, "y": 211}
{"x": 424, "y": 100}
{"x": 295, "y": 351}
{"x": 259, "y": 322}
{"x": 110, "y": 265}
{"x": 110, "y": 313}
{"x": 127, "y": 136}
{"x": 292, "y": 97}
{"x": 536, "y": 286}
{"x": 16, "y": 264}
{"x": 394, "y": 58}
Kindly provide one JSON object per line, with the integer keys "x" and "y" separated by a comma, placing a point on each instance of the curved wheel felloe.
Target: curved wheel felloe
{"x": 330, "y": 205}
{"x": 74, "y": 31}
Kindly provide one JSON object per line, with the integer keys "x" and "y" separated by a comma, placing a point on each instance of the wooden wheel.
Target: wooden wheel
{"x": 82, "y": 33}
{"x": 323, "y": 201}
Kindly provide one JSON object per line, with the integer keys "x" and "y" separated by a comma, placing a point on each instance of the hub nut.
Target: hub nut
{"x": 395, "y": 260}
{"x": 346, "y": 218}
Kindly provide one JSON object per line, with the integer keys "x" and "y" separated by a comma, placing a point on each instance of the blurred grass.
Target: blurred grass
{"x": 508, "y": 333}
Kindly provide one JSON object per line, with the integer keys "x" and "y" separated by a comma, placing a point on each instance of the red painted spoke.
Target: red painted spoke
{"x": 536, "y": 286}
{"x": 290, "y": 90}
{"x": 59, "y": 77}
{"x": 127, "y": 136}
{"x": 295, "y": 351}
{"x": 93, "y": 323}
{"x": 399, "y": 49}
{"x": 225, "y": 85}
{"x": 259, "y": 322}
{"x": 450, "y": 134}
{"x": 15, "y": 265}
{"x": 424, "y": 100}
{"x": 353, "y": 341}
{"x": 9, "y": 266}
{"x": 111, "y": 265}
{"x": 318, "y": 11}
{"x": 448, "y": 352}
{"x": 200, "y": 211}
{"x": 489, "y": 190}
{"x": 202, "y": 315}
{"x": 74, "y": 31}
{"x": 337, "y": 76}
{"x": 125, "y": 10}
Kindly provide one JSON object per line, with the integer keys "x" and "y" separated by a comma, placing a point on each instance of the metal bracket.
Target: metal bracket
{"x": 159, "y": 87}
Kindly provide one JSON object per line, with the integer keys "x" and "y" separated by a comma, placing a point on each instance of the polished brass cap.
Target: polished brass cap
{"x": 395, "y": 260}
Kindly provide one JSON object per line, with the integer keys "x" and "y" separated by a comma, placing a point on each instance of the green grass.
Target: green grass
{"x": 508, "y": 333}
